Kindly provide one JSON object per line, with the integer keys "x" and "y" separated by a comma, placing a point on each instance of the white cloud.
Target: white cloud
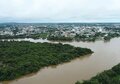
{"x": 60, "y": 10}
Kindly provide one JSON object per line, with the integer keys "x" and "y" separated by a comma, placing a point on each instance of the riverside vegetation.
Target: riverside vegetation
{"x": 111, "y": 76}
{"x": 20, "y": 58}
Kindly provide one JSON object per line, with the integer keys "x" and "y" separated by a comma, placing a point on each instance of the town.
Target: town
{"x": 60, "y": 31}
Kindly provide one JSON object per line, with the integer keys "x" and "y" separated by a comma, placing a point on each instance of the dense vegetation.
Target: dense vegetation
{"x": 111, "y": 76}
{"x": 60, "y": 38}
{"x": 20, "y": 58}
{"x": 110, "y": 36}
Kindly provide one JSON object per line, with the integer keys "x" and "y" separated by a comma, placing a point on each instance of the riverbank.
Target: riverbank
{"x": 111, "y": 76}
{"x": 21, "y": 58}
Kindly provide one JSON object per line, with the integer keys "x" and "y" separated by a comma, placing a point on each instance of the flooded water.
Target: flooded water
{"x": 105, "y": 56}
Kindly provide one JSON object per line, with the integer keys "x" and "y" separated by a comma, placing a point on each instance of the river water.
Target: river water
{"x": 105, "y": 56}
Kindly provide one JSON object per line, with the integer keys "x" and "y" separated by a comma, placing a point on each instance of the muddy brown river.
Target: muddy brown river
{"x": 105, "y": 56}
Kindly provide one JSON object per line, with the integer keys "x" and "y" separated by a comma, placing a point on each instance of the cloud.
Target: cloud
{"x": 59, "y": 10}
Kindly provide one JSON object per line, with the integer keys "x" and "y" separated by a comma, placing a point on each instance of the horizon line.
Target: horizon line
{"x": 55, "y": 22}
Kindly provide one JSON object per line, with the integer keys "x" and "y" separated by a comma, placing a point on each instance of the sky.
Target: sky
{"x": 42, "y": 11}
